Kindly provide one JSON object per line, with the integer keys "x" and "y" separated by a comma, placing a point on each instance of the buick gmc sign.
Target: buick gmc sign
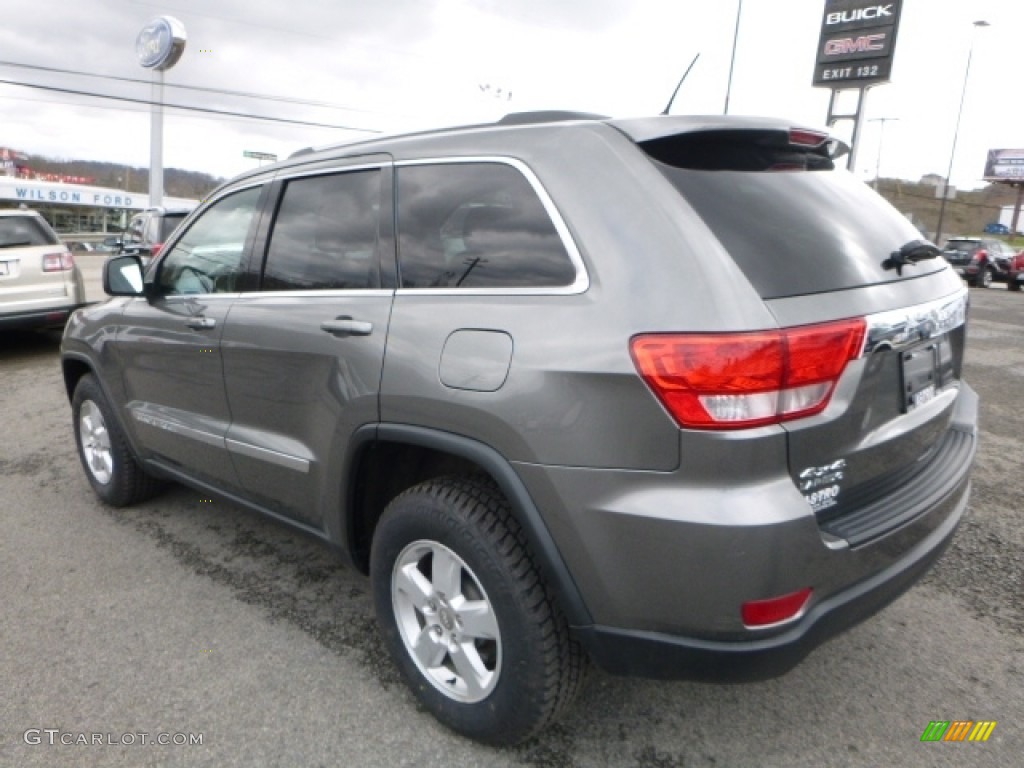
{"x": 857, "y": 42}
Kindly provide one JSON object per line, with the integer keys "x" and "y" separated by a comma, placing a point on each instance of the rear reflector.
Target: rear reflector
{"x": 737, "y": 380}
{"x": 763, "y": 613}
{"x": 58, "y": 262}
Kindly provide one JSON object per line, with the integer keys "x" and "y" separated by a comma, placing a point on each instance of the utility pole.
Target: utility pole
{"x": 956, "y": 131}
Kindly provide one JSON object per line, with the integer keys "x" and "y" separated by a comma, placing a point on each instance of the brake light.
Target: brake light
{"x": 763, "y": 613}
{"x": 58, "y": 262}
{"x": 738, "y": 380}
{"x": 801, "y": 137}
{"x": 155, "y": 249}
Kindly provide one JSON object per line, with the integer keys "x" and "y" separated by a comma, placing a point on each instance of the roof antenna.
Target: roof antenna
{"x": 679, "y": 85}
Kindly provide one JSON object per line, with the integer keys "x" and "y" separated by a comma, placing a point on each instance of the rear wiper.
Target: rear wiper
{"x": 910, "y": 253}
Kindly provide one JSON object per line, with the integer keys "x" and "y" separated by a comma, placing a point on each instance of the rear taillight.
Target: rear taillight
{"x": 155, "y": 250}
{"x": 737, "y": 380}
{"x": 58, "y": 262}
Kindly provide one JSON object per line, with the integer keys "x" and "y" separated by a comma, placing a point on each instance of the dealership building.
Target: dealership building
{"x": 79, "y": 208}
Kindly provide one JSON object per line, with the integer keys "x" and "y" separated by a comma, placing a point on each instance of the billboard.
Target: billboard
{"x": 857, "y": 43}
{"x": 1004, "y": 165}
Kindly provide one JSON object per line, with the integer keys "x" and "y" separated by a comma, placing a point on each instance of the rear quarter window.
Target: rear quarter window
{"x": 476, "y": 225}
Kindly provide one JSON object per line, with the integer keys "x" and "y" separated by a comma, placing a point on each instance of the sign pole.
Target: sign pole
{"x": 858, "y": 122}
{"x": 156, "y": 141}
{"x": 158, "y": 47}
{"x": 1016, "y": 208}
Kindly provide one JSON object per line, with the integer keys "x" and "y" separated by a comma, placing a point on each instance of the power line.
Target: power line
{"x": 185, "y": 107}
{"x": 203, "y": 89}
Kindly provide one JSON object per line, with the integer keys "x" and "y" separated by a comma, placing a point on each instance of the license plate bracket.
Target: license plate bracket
{"x": 921, "y": 377}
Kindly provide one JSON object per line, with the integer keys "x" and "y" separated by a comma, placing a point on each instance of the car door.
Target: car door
{"x": 303, "y": 356}
{"x": 169, "y": 342}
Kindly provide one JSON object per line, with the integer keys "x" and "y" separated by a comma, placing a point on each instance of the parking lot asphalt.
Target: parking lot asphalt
{"x": 197, "y": 621}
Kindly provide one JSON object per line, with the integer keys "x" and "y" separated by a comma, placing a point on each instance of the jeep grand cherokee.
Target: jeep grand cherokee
{"x": 674, "y": 395}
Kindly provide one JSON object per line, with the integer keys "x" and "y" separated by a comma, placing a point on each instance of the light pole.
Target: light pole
{"x": 881, "y": 137}
{"x": 732, "y": 59}
{"x": 158, "y": 47}
{"x": 956, "y": 132}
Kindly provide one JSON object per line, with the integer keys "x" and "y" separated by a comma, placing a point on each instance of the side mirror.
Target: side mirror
{"x": 122, "y": 276}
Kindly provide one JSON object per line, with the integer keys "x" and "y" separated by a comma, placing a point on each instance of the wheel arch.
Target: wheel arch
{"x": 74, "y": 367}
{"x": 385, "y": 459}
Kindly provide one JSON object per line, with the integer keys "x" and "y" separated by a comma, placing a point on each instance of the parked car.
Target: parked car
{"x": 148, "y": 231}
{"x": 995, "y": 228}
{"x": 1015, "y": 275}
{"x": 40, "y": 285}
{"x": 980, "y": 261}
{"x": 542, "y": 384}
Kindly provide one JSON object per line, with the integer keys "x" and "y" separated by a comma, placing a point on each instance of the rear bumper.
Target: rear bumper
{"x": 39, "y": 318}
{"x": 664, "y": 656}
{"x": 664, "y": 568}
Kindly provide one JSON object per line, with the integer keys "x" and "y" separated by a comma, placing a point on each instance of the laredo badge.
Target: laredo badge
{"x": 820, "y": 485}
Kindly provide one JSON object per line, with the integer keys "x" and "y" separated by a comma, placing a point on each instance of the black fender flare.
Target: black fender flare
{"x": 549, "y": 559}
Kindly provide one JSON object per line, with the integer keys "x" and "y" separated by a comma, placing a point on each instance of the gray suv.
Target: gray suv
{"x": 675, "y": 395}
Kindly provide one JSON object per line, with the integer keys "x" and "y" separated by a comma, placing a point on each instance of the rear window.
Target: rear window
{"x": 963, "y": 246}
{"x": 24, "y": 230}
{"x": 169, "y": 223}
{"x": 793, "y": 223}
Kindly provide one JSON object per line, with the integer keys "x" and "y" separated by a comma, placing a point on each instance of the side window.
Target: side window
{"x": 325, "y": 234}
{"x": 476, "y": 225}
{"x": 208, "y": 257}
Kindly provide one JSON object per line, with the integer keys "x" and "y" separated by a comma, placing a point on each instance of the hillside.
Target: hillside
{"x": 966, "y": 215}
{"x": 177, "y": 182}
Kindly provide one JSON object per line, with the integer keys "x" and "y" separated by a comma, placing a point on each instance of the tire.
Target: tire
{"x": 110, "y": 466}
{"x": 495, "y": 661}
{"x": 984, "y": 278}
{"x": 1013, "y": 284}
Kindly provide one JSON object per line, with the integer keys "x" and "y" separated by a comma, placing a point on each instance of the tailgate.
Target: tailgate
{"x": 895, "y": 438}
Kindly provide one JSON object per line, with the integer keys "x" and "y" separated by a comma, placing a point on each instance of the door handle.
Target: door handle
{"x": 346, "y": 326}
{"x": 201, "y": 323}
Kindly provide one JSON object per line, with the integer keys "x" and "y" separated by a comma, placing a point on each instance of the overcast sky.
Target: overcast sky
{"x": 396, "y": 65}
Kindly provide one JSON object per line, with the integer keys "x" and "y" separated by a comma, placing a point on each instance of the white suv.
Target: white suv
{"x": 40, "y": 285}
